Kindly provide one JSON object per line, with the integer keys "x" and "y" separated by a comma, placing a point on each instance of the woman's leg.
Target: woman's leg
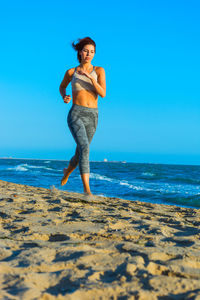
{"x": 90, "y": 127}
{"x": 71, "y": 167}
{"x": 82, "y": 122}
{"x": 86, "y": 184}
{"x": 77, "y": 128}
{"x": 83, "y": 148}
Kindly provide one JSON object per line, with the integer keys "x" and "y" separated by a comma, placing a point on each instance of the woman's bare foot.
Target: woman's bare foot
{"x": 88, "y": 196}
{"x": 67, "y": 172}
{"x": 65, "y": 177}
{"x": 88, "y": 193}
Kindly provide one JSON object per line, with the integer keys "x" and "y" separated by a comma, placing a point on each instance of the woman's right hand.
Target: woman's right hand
{"x": 67, "y": 98}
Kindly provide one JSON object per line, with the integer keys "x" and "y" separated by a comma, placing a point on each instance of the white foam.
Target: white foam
{"x": 26, "y": 167}
{"x": 177, "y": 189}
{"x": 121, "y": 182}
{"x": 21, "y": 168}
{"x": 131, "y": 186}
{"x": 38, "y": 167}
{"x": 102, "y": 177}
{"x": 148, "y": 174}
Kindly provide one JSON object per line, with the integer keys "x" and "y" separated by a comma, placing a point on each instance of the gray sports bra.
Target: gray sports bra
{"x": 82, "y": 82}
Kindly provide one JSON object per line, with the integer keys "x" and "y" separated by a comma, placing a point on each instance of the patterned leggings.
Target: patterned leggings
{"x": 82, "y": 122}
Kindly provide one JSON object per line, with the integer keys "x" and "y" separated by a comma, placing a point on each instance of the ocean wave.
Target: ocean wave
{"x": 164, "y": 189}
{"x": 148, "y": 174}
{"x": 21, "y": 168}
{"x": 193, "y": 200}
{"x": 27, "y": 167}
{"x": 101, "y": 177}
{"x": 120, "y": 182}
{"x": 134, "y": 187}
{"x": 178, "y": 188}
{"x": 185, "y": 180}
{"x": 154, "y": 177}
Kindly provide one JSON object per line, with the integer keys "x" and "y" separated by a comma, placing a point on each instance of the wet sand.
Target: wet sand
{"x": 63, "y": 245}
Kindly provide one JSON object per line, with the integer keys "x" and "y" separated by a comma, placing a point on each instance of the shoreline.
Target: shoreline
{"x": 62, "y": 245}
{"x": 112, "y": 196}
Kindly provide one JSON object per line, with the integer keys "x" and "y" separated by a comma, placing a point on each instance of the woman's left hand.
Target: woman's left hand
{"x": 81, "y": 72}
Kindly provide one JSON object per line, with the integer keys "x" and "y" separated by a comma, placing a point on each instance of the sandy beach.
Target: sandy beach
{"x": 63, "y": 245}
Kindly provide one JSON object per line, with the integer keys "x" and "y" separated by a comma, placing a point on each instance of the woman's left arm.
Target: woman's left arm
{"x": 100, "y": 84}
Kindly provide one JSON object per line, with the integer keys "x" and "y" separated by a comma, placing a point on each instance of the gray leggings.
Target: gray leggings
{"x": 82, "y": 122}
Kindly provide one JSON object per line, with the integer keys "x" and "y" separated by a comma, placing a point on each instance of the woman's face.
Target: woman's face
{"x": 87, "y": 53}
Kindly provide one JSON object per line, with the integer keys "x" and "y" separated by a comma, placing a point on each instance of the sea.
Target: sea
{"x": 146, "y": 182}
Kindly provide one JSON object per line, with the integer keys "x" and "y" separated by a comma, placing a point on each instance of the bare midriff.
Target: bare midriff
{"x": 85, "y": 98}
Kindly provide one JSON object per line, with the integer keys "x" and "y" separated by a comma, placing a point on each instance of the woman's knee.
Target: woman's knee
{"x": 84, "y": 150}
{"x": 74, "y": 161}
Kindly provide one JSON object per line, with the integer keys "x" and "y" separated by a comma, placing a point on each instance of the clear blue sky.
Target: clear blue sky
{"x": 150, "y": 52}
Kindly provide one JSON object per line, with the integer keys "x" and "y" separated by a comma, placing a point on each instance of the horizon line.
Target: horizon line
{"x": 107, "y": 161}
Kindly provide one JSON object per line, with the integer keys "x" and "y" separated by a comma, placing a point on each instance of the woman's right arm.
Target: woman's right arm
{"x": 66, "y": 80}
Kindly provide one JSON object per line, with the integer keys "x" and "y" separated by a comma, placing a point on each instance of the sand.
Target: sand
{"x": 63, "y": 245}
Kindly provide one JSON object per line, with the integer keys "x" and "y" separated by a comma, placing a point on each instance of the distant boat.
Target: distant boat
{"x": 123, "y": 162}
{"x": 105, "y": 160}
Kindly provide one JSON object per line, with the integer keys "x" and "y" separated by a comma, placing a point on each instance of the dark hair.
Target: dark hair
{"x": 80, "y": 45}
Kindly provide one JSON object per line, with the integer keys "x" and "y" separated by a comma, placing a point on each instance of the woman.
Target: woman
{"x": 87, "y": 83}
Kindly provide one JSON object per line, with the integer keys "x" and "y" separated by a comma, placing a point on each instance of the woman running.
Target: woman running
{"x": 87, "y": 83}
